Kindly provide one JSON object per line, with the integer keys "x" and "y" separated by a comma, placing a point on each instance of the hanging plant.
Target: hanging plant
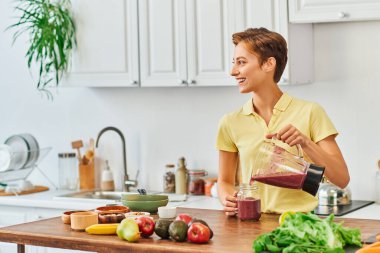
{"x": 51, "y": 31}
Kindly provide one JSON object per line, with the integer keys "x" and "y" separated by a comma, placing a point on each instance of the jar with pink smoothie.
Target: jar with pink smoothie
{"x": 248, "y": 202}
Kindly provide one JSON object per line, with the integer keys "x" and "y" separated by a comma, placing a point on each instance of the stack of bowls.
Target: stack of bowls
{"x": 144, "y": 203}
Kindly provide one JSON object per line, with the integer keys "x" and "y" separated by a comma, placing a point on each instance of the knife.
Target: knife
{"x": 371, "y": 239}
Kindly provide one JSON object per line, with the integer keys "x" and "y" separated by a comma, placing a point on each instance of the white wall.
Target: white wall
{"x": 162, "y": 124}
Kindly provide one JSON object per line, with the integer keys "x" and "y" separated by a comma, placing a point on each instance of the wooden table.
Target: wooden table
{"x": 230, "y": 235}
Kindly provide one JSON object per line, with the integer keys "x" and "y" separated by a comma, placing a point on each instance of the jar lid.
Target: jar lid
{"x": 66, "y": 155}
{"x": 200, "y": 172}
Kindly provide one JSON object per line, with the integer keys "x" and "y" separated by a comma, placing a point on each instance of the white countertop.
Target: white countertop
{"x": 48, "y": 199}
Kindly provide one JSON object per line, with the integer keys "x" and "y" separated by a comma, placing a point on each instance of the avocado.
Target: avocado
{"x": 161, "y": 228}
{"x": 195, "y": 220}
{"x": 178, "y": 230}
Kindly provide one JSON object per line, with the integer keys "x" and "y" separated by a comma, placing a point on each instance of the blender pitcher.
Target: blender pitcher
{"x": 275, "y": 165}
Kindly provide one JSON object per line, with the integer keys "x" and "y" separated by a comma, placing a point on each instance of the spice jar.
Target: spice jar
{"x": 248, "y": 202}
{"x": 169, "y": 179}
{"x": 196, "y": 182}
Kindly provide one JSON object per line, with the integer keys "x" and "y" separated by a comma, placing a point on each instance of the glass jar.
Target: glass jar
{"x": 169, "y": 179}
{"x": 196, "y": 182}
{"x": 248, "y": 202}
{"x": 68, "y": 171}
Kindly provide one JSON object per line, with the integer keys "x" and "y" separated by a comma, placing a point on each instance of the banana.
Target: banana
{"x": 102, "y": 229}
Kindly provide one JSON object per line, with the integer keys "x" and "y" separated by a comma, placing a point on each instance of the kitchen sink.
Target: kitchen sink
{"x": 109, "y": 195}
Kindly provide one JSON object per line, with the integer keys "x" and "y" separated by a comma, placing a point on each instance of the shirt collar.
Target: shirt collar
{"x": 281, "y": 105}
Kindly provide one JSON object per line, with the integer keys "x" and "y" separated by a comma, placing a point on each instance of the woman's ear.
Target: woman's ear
{"x": 269, "y": 64}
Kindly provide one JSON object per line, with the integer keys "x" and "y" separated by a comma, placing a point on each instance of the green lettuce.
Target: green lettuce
{"x": 307, "y": 233}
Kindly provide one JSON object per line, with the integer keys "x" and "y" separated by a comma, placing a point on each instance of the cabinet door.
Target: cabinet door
{"x": 312, "y": 11}
{"x": 209, "y": 26}
{"x": 107, "y": 49}
{"x": 162, "y": 42}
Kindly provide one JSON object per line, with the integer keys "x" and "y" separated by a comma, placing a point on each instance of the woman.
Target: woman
{"x": 259, "y": 61}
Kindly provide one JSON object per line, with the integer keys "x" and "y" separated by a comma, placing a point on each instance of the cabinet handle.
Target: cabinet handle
{"x": 134, "y": 82}
{"x": 191, "y": 82}
{"x": 182, "y": 82}
{"x": 342, "y": 14}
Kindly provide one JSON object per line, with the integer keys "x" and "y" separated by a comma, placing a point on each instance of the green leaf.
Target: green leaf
{"x": 304, "y": 233}
{"x": 51, "y": 31}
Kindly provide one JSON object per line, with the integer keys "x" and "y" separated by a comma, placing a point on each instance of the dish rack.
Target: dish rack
{"x": 23, "y": 172}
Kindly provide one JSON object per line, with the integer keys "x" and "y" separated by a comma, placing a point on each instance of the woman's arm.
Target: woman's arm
{"x": 324, "y": 153}
{"x": 228, "y": 162}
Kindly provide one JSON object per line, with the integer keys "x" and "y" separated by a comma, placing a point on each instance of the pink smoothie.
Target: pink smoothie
{"x": 249, "y": 209}
{"x": 281, "y": 179}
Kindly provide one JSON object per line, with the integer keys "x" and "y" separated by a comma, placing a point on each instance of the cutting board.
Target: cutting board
{"x": 37, "y": 188}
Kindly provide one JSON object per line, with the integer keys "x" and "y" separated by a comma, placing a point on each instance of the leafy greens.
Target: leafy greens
{"x": 307, "y": 233}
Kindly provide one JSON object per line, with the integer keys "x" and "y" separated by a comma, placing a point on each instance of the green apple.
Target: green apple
{"x": 128, "y": 230}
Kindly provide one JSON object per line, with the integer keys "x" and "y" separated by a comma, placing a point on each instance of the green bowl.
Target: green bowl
{"x": 148, "y": 197}
{"x": 145, "y": 205}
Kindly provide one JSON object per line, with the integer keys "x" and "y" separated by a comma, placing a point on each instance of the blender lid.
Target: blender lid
{"x": 313, "y": 178}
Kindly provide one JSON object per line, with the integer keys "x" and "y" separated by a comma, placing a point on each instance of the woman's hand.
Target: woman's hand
{"x": 291, "y": 136}
{"x": 230, "y": 205}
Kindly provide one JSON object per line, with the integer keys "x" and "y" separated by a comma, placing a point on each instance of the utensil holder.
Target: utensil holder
{"x": 87, "y": 176}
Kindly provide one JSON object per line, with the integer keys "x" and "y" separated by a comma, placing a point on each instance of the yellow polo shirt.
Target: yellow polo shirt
{"x": 244, "y": 131}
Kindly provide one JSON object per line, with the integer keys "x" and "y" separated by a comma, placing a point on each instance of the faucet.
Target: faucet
{"x": 127, "y": 182}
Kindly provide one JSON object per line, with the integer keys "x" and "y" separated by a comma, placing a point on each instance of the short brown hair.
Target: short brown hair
{"x": 265, "y": 44}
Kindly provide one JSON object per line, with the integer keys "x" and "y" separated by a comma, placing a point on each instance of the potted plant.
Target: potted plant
{"x": 51, "y": 30}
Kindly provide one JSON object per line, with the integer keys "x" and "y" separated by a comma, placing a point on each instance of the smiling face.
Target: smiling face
{"x": 247, "y": 71}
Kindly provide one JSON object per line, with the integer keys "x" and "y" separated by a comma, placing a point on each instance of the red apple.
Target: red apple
{"x": 146, "y": 226}
{"x": 198, "y": 233}
{"x": 184, "y": 217}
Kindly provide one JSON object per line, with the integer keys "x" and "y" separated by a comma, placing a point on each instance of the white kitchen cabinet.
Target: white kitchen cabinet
{"x": 189, "y": 42}
{"x": 313, "y": 11}
{"x": 185, "y": 42}
{"x": 107, "y": 44}
{"x": 170, "y": 43}
{"x": 12, "y": 215}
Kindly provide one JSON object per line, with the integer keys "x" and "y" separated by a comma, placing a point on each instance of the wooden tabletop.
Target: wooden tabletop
{"x": 230, "y": 235}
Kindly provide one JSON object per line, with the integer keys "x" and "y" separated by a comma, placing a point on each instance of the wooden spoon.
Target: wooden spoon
{"x": 77, "y": 145}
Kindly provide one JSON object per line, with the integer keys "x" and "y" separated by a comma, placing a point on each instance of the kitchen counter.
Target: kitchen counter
{"x": 51, "y": 199}
{"x": 48, "y": 199}
{"x": 230, "y": 235}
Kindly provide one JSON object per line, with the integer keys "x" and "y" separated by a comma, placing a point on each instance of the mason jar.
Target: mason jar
{"x": 197, "y": 182}
{"x": 248, "y": 202}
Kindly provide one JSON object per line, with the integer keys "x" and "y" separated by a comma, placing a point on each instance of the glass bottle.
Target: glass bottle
{"x": 248, "y": 202}
{"x": 107, "y": 181}
{"x": 169, "y": 179}
{"x": 181, "y": 177}
{"x": 197, "y": 182}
